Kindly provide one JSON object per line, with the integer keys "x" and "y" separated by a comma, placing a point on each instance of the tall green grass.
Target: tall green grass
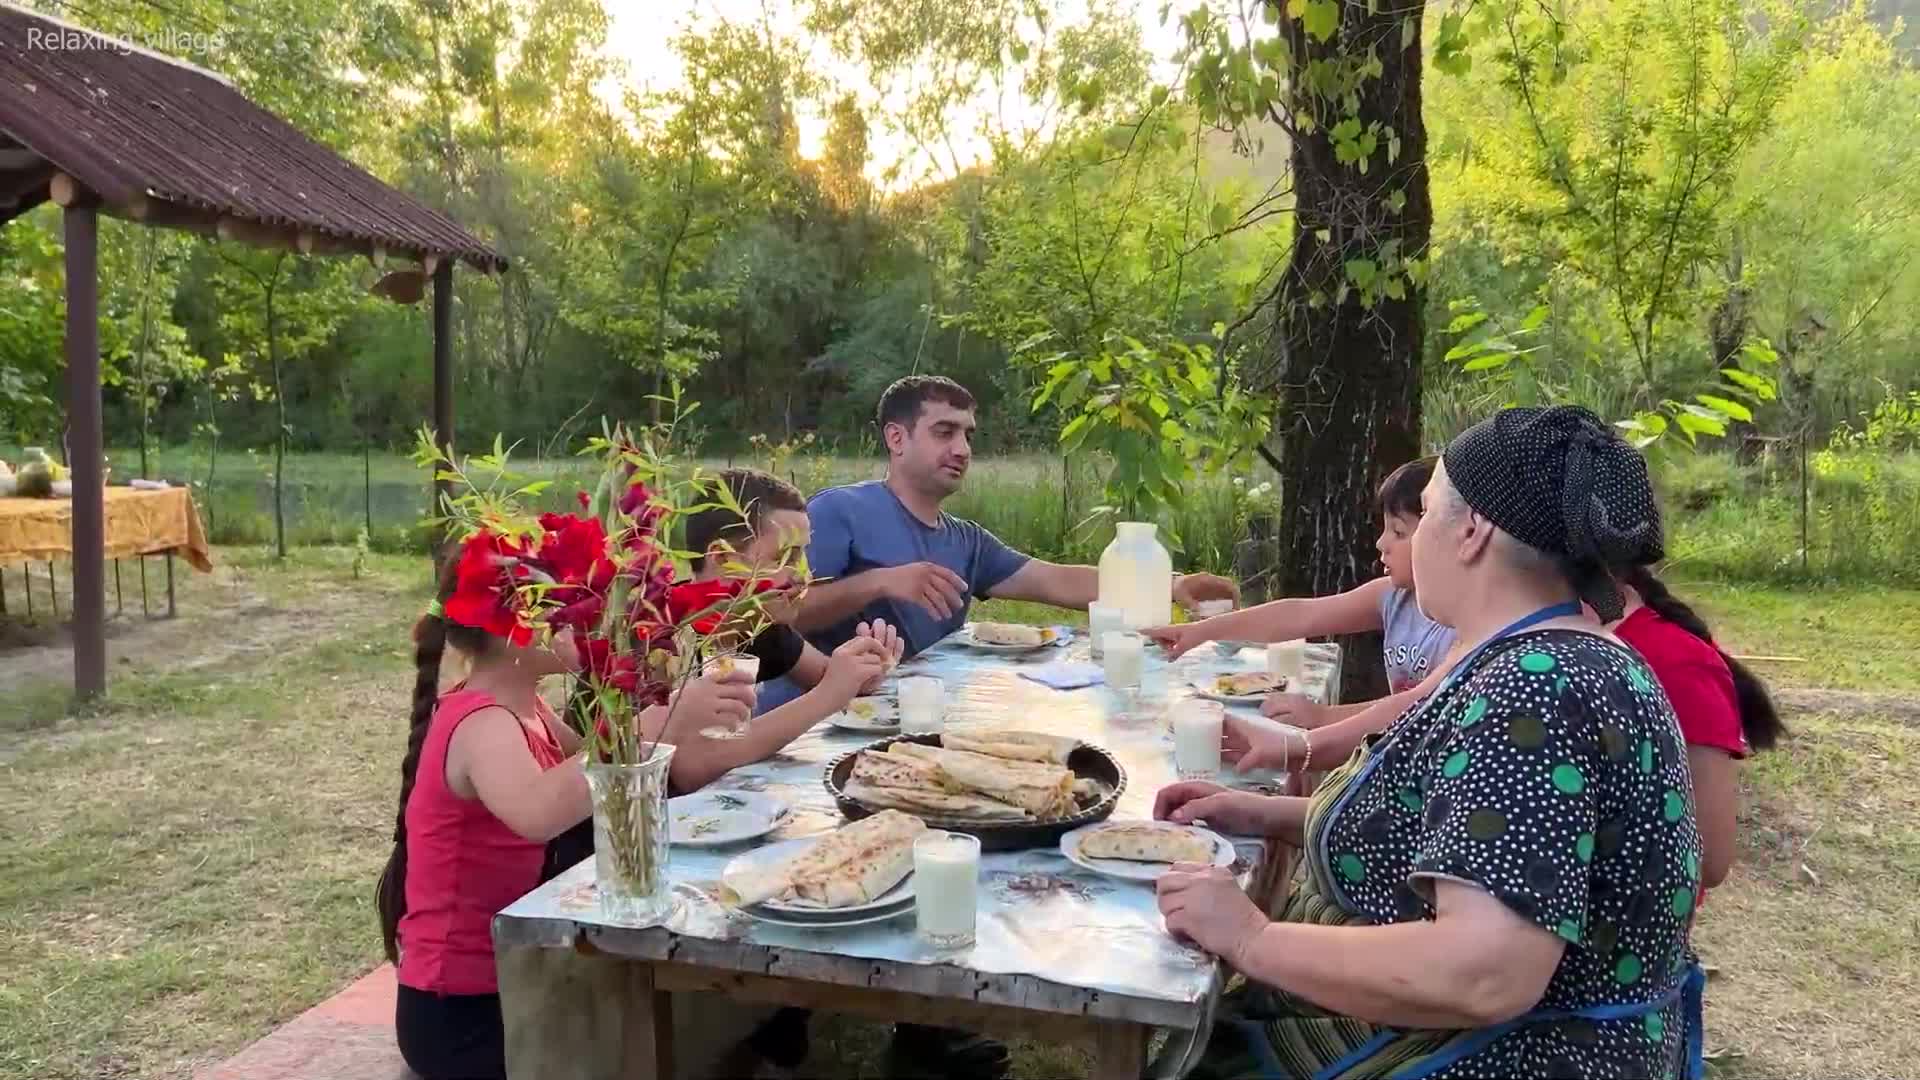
{"x": 1725, "y": 518}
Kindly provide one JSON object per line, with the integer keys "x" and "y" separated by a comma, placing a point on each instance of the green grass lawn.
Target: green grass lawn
{"x": 191, "y": 864}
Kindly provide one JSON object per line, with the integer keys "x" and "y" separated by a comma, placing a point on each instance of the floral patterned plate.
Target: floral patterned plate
{"x": 718, "y": 818}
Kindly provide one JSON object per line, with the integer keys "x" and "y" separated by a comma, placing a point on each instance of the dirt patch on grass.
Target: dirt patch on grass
{"x": 1901, "y": 708}
{"x": 247, "y": 611}
{"x": 1813, "y": 932}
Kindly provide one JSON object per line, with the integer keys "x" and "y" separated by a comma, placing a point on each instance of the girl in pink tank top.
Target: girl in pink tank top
{"x": 491, "y": 779}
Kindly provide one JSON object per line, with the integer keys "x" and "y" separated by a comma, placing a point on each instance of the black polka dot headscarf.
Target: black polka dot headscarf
{"x": 1560, "y": 480}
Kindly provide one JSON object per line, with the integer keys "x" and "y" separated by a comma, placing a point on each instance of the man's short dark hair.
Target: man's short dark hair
{"x": 1400, "y": 491}
{"x": 759, "y": 494}
{"x": 901, "y": 403}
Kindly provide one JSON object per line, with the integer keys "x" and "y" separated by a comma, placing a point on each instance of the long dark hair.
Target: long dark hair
{"x": 431, "y": 636}
{"x": 1758, "y": 717}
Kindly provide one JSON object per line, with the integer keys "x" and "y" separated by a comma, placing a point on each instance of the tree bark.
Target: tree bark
{"x": 1348, "y": 375}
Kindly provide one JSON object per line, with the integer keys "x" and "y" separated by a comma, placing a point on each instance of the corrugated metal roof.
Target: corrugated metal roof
{"x": 127, "y": 123}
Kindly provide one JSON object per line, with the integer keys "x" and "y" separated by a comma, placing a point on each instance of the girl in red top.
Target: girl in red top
{"x": 491, "y": 776}
{"x": 1723, "y": 708}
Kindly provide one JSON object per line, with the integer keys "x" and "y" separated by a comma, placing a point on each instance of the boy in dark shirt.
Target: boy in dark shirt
{"x": 758, "y": 541}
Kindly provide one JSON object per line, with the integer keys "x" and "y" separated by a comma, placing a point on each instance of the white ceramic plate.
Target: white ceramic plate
{"x": 718, "y": 818}
{"x": 869, "y": 715}
{"x": 773, "y": 919}
{"x": 1128, "y": 870}
{"x": 966, "y": 638}
{"x": 800, "y": 911}
{"x": 1206, "y": 687}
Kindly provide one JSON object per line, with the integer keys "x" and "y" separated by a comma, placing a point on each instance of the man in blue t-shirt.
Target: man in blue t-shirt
{"x": 885, "y": 550}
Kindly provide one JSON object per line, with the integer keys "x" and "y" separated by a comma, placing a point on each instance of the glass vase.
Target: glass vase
{"x": 630, "y": 836}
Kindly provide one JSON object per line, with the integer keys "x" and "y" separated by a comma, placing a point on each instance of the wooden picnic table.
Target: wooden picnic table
{"x": 1062, "y": 955}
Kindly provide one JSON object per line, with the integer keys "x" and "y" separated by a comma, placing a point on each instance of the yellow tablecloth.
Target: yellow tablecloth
{"x": 138, "y": 523}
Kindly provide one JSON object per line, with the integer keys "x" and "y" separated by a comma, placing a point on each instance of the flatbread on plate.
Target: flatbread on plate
{"x": 851, "y": 865}
{"x": 1146, "y": 841}
{"x": 998, "y": 633}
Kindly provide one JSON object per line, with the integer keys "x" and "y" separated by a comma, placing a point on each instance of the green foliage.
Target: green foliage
{"x": 1160, "y": 415}
{"x": 1514, "y": 368}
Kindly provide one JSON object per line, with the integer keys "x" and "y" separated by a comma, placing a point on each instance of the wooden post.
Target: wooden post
{"x": 86, "y": 449}
{"x": 442, "y": 377}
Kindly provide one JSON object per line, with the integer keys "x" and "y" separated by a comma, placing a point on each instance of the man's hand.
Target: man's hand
{"x": 1192, "y": 590}
{"x": 934, "y": 587}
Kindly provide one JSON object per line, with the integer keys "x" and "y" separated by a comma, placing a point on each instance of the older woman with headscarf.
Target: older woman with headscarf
{"x": 1503, "y": 882}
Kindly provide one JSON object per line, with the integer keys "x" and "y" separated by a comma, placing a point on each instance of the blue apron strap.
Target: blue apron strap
{"x": 1693, "y": 1001}
{"x": 1690, "y": 992}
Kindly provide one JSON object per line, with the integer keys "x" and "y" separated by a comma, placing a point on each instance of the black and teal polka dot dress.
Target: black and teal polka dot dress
{"x": 1554, "y": 777}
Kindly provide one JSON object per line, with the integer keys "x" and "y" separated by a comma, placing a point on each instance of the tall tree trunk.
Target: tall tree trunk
{"x": 1349, "y": 374}
{"x": 1727, "y": 332}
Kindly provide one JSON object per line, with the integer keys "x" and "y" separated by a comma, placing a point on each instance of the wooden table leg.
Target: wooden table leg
{"x": 649, "y": 1026}
{"x": 1120, "y": 1052}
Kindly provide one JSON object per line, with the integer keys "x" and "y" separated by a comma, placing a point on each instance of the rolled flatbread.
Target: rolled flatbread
{"x": 878, "y": 865}
{"x": 1145, "y": 841}
{"x": 997, "y": 633}
{"x": 867, "y": 842}
{"x": 1036, "y": 788}
{"x": 896, "y": 771}
{"x": 937, "y": 803}
{"x": 1015, "y": 745}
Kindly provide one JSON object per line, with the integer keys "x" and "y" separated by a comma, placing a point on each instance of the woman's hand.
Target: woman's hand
{"x": 1179, "y": 640}
{"x": 859, "y": 662}
{"x": 1188, "y": 801}
{"x": 1250, "y": 742}
{"x": 1297, "y": 709}
{"x": 1206, "y": 906}
{"x": 892, "y": 646}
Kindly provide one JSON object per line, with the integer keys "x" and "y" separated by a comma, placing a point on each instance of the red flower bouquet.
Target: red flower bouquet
{"x": 607, "y": 575}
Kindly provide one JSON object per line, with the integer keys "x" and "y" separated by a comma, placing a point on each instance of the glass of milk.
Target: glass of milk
{"x": 730, "y": 669}
{"x": 1103, "y": 619}
{"x": 946, "y": 887}
{"x": 922, "y": 705}
{"x": 1207, "y": 609}
{"x": 1124, "y": 656}
{"x": 1287, "y": 660}
{"x": 1197, "y": 727}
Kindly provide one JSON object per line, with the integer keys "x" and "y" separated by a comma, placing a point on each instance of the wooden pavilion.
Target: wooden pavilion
{"x": 99, "y": 125}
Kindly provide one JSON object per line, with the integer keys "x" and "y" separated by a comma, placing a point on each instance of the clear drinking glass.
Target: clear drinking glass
{"x": 1103, "y": 619}
{"x": 922, "y": 705}
{"x": 724, "y": 669}
{"x": 1287, "y": 662}
{"x": 1197, "y": 729}
{"x": 1124, "y": 655}
{"x": 946, "y": 887}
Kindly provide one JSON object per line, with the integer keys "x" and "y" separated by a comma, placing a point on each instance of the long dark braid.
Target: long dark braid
{"x": 431, "y": 635}
{"x": 1758, "y": 718}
